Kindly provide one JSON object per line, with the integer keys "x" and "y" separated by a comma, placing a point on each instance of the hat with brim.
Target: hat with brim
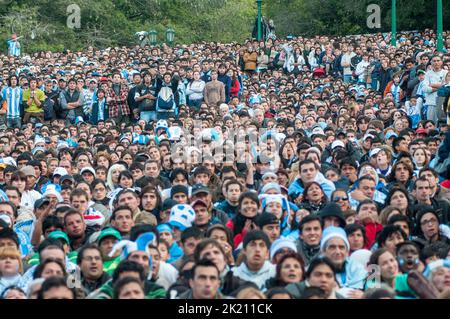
{"x": 390, "y": 135}
{"x": 109, "y": 232}
{"x": 58, "y": 234}
{"x": 28, "y": 171}
{"x": 41, "y": 202}
{"x": 66, "y": 178}
{"x": 87, "y": 170}
{"x": 336, "y": 144}
{"x": 374, "y": 152}
{"x": 199, "y": 202}
{"x": 421, "y": 131}
{"x": 200, "y": 188}
{"x": 61, "y": 171}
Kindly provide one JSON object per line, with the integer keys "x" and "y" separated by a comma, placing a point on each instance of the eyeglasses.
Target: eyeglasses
{"x": 337, "y": 199}
{"x": 429, "y": 222}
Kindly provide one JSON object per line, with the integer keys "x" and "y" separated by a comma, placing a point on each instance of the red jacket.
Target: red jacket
{"x": 235, "y": 87}
{"x": 237, "y": 239}
{"x": 372, "y": 229}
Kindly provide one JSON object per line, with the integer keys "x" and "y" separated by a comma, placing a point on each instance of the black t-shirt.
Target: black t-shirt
{"x": 146, "y": 104}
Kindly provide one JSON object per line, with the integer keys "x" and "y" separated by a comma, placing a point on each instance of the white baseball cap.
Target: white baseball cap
{"x": 61, "y": 171}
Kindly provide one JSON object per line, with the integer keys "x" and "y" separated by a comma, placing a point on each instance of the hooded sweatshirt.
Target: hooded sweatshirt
{"x": 297, "y": 187}
{"x": 353, "y": 275}
{"x": 260, "y": 277}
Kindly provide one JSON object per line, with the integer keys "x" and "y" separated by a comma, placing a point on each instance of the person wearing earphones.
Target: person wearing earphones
{"x": 408, "y": 257}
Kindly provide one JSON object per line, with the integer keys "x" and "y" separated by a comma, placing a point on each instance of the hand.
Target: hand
{"x": 301, "y": 213}
{"x": 228, "y": 253}
{"x": 358, "y": 195}
{"x": 299, "y": 199}
{"x": 46, "y": 212}
{"x": 249, "y": 162}
{"x": 355, "y": 294}
{"x": 249, "y": 225}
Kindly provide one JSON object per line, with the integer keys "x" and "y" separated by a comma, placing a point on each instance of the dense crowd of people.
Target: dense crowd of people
{"x": 291, "y": 168}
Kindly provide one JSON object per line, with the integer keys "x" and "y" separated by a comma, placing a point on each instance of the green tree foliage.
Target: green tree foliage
{"x": 104, "y": 23}
{"x": 341, "y": 17}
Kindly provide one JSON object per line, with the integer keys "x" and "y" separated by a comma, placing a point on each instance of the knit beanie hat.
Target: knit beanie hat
{"x": 332, "y": 210}
{"x": 269, "y": 186}
{"x": 281, "y": 243}
{"x": 435, "y": 265}
{"x": 179, "y": 189}
{"x": 266, "y": 219}
{"x": 333, "y": 232}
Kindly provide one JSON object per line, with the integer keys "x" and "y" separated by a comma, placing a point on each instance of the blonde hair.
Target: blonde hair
{"x": 248, "y": 293}
{"x": 109, "y": 181}
{"x": 13, "y": 253}
{"x": 102, "y": 154}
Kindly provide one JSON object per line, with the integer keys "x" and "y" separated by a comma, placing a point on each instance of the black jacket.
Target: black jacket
{"x": 89, "y": 286}
{"x": 307, "y": 252}
{"x": 297, "y": 290}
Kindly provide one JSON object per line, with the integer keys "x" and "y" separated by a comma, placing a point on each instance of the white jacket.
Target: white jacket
{"x": 361, "y": 70}
{"x": 260, "y": 277}
{"x": 28, "y": 199}
{"x": 194, "y": 90}
{"x": 291, "y": 61}
{"x": 432, "y": 77}
{"x": 167, "y": 275}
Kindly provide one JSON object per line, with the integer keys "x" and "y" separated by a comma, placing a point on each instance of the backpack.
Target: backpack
{"x": 166, "y": 99}
{"x": 49, "y": 112}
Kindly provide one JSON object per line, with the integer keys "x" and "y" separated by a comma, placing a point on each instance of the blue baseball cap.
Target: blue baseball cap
{"x": 164, "y": 228}
{"x": 390, "y": 135}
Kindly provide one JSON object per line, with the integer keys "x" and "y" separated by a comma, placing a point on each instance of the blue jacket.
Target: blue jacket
{"x": 95, "y": 112}
{"x": 297, "y": 187}
{"x": 175, "y": 252}
{"x": 226, "y": 80}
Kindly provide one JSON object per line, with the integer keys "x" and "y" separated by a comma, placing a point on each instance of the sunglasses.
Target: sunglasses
{"x": 337, "y": 199}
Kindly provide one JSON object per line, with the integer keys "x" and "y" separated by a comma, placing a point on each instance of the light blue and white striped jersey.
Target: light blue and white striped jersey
{"x": 420, "y": 91}
{"x": 88, "y": 100}
{"x": 13, "y": 98}
{"x": 101, "y": 109}
{"x": 13, "y": 48}
{"x": 3, "y": 197}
